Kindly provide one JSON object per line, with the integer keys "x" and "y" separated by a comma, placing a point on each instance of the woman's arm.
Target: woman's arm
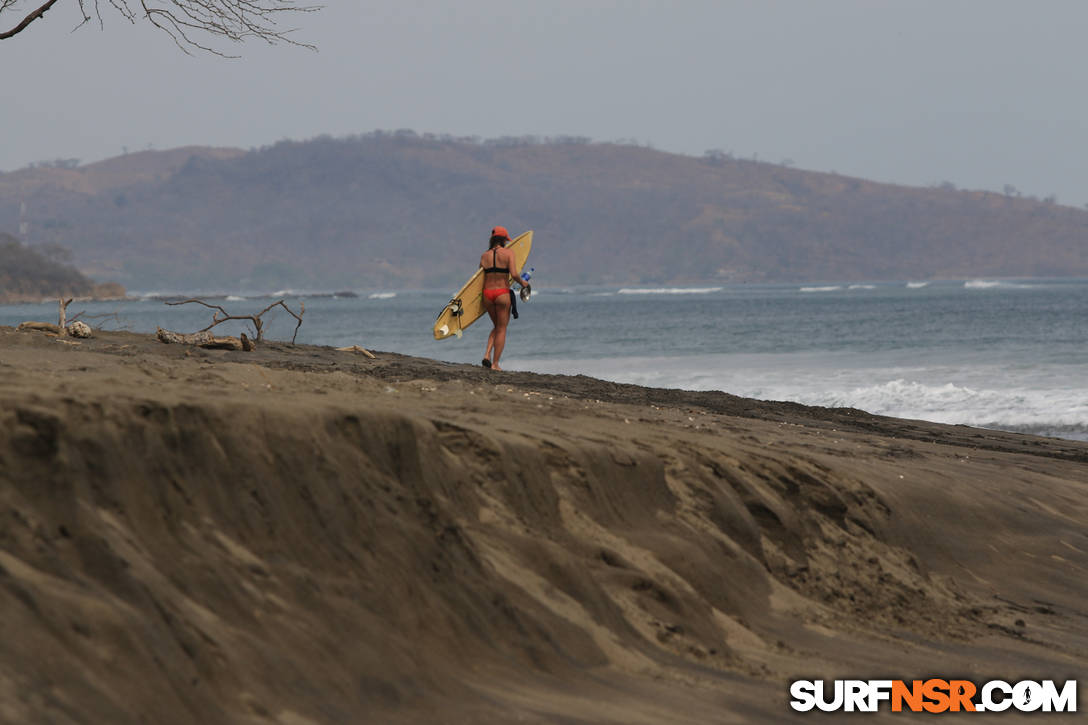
{"x": 515, "y": 271}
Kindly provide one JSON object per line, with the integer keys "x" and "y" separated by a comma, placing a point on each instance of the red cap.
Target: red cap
{"x": 500, "y": 232}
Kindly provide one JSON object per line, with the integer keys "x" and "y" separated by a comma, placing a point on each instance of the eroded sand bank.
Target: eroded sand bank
{"x": 300, "y": 535}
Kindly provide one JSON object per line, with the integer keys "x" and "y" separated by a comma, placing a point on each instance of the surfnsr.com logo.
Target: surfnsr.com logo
{"x": 933, "y": 695}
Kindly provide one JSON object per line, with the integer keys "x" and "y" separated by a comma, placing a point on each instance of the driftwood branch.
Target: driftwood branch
{"x": 298, "y": 317}
{"x": 62, "y": 314}
{"x": 59, "y": 329}
{"x": 220, "y": 315}
{"x": 204, "y": 338}
{"x": 200, "y": 339}
{"x": 356, "y": 348}
{"x": 38, "y": 327}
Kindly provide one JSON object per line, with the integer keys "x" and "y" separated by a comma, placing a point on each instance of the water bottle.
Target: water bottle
{"x": 524, "y": 284}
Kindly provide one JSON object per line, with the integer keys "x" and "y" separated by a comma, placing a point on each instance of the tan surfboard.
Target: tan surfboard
{"x": 467, "y": 304}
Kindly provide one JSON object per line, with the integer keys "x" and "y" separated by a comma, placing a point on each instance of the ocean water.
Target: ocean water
{"x": 1010, "y": 355}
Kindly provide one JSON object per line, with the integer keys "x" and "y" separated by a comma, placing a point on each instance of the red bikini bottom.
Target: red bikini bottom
{"x": 496, "y": 292}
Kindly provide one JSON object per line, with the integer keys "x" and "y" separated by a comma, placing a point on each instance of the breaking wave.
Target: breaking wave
{"x": 994, "y": 283}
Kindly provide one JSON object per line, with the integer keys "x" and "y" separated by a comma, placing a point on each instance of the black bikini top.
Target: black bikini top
{"x": 493, "y": 268}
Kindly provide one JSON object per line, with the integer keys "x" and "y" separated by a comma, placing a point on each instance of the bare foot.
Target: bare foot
{"x": 495, "y": 366}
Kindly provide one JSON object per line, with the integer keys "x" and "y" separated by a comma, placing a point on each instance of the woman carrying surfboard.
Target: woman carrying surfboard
{"x": 499, "y": 264}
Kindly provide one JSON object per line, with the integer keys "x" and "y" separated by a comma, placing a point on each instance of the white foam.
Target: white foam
{"x": 862, "y": 286}
{"x": 1019, "y": 408}
{"x": 917, "y": 285}
{"x": 829, "y": 288}
{"x": 155, "y": 294}
{"x": 669, "y": 291}
{"x": 382, "y": 296}
{"x": 235, "y": 298}
{"x": 992, "y": 283}
{"x": 1045, "y": 400}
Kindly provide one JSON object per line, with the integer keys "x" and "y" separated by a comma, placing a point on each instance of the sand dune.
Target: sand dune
{"x": 300, "y": 535}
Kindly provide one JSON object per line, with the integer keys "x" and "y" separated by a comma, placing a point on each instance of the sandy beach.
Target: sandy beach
{"x": 300, "y": 535}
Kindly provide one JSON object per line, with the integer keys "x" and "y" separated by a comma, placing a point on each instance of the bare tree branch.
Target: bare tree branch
{"x": 192, "y": 24}
{"x": 10, "y": 5}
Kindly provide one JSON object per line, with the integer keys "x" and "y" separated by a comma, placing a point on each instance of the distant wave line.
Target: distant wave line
{"x": 669, "y": 290}
{"x": 992, "y": 283}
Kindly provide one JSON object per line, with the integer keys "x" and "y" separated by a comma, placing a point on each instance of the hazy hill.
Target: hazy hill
{"x": 29, "y": 274}
{"x": 403, "y": 211}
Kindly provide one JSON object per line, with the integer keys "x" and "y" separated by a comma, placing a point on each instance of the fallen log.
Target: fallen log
{"x": 224, "y": 343}
{"x": 39, "y": 327}
{"x": 179, "y": 338}
{"x": 203, "y": 339}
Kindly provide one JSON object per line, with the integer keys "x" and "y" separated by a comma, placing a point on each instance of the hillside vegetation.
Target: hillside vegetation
{"x": 404, "y": 211}
{"x": 28, "y": 274}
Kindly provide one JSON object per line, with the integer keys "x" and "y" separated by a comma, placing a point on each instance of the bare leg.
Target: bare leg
{"x": 490, "y": 343}
{"x": 502, "y": 319}
{"x": 489, "y": 306}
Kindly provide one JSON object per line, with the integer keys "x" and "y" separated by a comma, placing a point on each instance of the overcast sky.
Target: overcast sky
{"x": 981, "y": 93}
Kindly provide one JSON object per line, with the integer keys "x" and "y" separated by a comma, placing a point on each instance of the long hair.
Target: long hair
{"x": 497, "y": 241}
